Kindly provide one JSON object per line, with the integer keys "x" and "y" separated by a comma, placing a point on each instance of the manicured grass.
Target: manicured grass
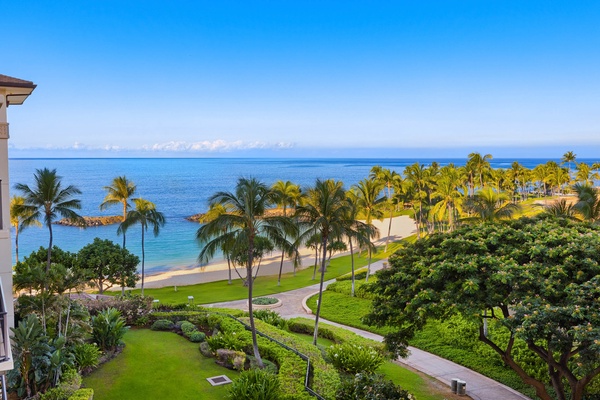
{"x": 214, "y": 292}
{"x": 422, "y": 386}
{"x": 157, "y": 365}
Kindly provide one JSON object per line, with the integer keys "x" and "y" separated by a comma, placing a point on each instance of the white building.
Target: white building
{"x": 13, "y": 92}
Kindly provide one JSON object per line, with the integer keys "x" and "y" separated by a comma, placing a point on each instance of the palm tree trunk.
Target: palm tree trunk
{"x": 143, "y": 259}
{"x": 316, "y": 331}
{"x": 17, "y": 242}
{"x": 49, "y": 251}
{"x": 316, "y": 262}
{"x": 352, "y": 259}
{"x": 368, "y": 266}
{"x": 124, "y": 218}
{"x": 250, "y": 314}
{"x": 280, "y": 267}
{"x": 229, "y": 268}
{"x": 387, "y": 239}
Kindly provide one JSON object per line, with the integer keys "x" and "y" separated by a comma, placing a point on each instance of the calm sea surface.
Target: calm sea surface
{"x": 180, "y": 188}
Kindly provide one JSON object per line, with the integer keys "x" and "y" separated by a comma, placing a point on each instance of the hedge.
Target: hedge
{"x": 83, "y": 394}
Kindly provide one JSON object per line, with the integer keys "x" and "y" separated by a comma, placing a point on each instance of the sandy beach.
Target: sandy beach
{"x": 402, "y": 226}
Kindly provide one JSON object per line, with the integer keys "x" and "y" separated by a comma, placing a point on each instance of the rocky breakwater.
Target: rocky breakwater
{"x": 273, "y": 212}
{"x": 92, "y": 221}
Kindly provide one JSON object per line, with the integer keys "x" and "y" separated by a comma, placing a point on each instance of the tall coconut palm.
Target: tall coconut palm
{"x": 478, "y": 166}
{"x": 286, "y": 194}
{"x": 242, "y": 225}
{"x": 19, "y": 219}
{"x": 325, "y": 212}
{"x": 48, "y": 199}
{"x": 357, "y": 231}
{"x": 568, "y": 158}
{"x": 418, "y": 177}
{"x": 393, "y": 182}
{"x": 369, "y": 202}
{"x": 488, "y": 205}
{"x": 586, "y": 174}
{"x": 449, "y": 195}
{"x": 588, "y": 202}
{"x": 119, "y": 192}
{"x": 146, "y": 215}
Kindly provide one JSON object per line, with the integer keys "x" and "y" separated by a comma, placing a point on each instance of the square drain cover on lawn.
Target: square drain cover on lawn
{"x": 219, "y": 380}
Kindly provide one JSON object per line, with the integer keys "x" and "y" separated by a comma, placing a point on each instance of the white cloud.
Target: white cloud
{"x": 206, "y": 146}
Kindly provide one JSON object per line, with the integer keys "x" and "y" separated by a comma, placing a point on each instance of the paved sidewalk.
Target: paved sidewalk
{"x": 479, "y": 387}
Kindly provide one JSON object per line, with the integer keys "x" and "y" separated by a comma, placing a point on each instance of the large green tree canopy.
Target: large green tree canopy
{"x": 540, "y": 278}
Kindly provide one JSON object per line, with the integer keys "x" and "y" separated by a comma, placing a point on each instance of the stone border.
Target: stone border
{"x": 266, "y": 306}
{"x": 304, "y": 300}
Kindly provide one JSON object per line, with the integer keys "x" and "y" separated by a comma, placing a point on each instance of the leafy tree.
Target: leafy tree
{"x": 48, "y": 199}
{"x": 539, "y": 278}
{"x": 240, "y": 227}
{"x": 119, "y": 192}
{"x": 19, "y": 219}
{"x": 108, "y": 264}
{"x": 146, "y": 215}
{"x": 324, "y": 212}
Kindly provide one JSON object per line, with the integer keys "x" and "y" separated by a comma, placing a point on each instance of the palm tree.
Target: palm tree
{"x": 325, "y": 212}
{"x": 568, "y": 158}
{"x": 418, "y": 177}
{"x": 146, "y": 215}
{"x": 243, "y": 225}
{"x": 214, "y": 211}
{"x": 588, "y": 202}
{"x": 286, "y": 194}
{"x": 392, "y": 182}
{"x": 449, "y": 195}
{"x": 369, "y": 202}
{"x": 359, "y": 231}
{"x": 120, "y": 191}
{"x": 561, "y": 208}
{"x": 478, "y": 166}
{"x": 585, "y": 173}
{"x": 48, "y": 199}
{"x": 488, "y": 205}
{"x": 19, "y": 219}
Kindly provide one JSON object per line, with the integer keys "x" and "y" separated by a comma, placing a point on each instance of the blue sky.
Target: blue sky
{"x": 286, "y": 79}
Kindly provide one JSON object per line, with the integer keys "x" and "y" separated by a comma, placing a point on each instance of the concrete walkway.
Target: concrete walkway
{"x": 479, "y": 387}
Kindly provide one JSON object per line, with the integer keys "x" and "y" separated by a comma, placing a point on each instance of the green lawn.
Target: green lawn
{"x": 219, "y": 291}
{"x": 157, "y": 365}
{"x": 309, "y": 339}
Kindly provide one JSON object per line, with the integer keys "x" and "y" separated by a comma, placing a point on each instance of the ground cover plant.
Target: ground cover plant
{"x": 157, "y": 365}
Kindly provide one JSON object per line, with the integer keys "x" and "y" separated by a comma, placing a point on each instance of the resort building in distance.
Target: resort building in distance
{"x": 13, "y": 92}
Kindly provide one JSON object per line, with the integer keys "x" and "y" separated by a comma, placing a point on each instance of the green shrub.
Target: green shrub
{"x": 162, "y": 325}
{"x": 86, "y": 356}
{"x": 352, "y": 358}
{"x": 55, "y": 393}
{"x": 255, "y": 384}
{"x": 361, "y": 289}
{"x": 131, "y": 306}
{"x": 188, "y": 327}
{"x": 205, "y": 349}
{"x": 197, "y": 337}
{"x": 229, "y": 340}
{"x": 70, "y": 381}
{"x": 358, "y": 275}
{"x": 264, "y": 301}
{"x": 271, "y": 318}
{"x": 108, "y": 328}
{"x": 83, "y": 394}
{"x": 371, "y": 387}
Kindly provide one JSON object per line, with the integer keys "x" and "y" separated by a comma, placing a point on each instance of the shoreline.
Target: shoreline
{"x": 402, "y": 227}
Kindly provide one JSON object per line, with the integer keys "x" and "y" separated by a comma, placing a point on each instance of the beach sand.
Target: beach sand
{"x": 402, "y": 227}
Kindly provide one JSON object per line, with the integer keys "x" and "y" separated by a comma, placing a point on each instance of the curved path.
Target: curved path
{"x": 479, "y": 387}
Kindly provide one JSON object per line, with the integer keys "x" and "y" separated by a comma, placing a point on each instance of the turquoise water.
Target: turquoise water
{"x": 180, "y": 188}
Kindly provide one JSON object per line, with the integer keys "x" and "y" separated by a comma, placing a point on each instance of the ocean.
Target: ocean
{"x": 180, "y": 187}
